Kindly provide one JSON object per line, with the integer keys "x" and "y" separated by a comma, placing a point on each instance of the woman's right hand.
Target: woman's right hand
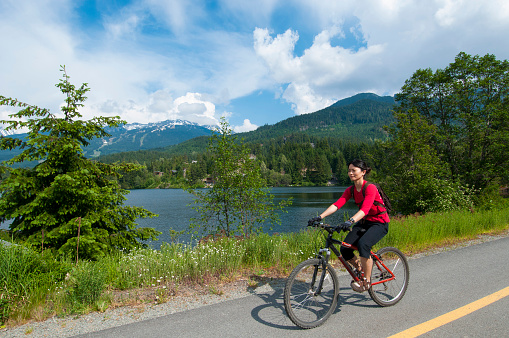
{"x": 314, "y": 221}
{"x": 345, "y": 226}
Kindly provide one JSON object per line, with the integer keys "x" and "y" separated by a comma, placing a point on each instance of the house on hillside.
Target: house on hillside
{"x": 209, "y": 182}
{"x": 504, "y": 191}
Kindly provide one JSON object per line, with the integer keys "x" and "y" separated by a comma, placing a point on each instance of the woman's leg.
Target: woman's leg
{"x": 372, "y": 236}
{"x": 351, "y": 238}
{"x": 367, "y": 266}
{"x": 355, "y": 263}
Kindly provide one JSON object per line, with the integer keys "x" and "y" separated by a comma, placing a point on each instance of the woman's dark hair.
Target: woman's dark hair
{"x": 361, "y": 164}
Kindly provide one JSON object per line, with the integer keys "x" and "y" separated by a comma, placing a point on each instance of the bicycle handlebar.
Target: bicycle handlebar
{"x": 329, "y": 228}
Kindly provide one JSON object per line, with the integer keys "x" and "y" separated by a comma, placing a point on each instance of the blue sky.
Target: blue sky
{"x": 255, "y": 62}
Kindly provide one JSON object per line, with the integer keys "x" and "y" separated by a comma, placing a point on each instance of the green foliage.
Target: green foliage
{"x": 442, "y": 195}
{"x": 412, "y": 162}
{"x": 491, "y": 199}
{"x": 452, "y": 132}
{"x": 239, "y": 201}
{"x": 416, "y": 233}
{"x": 66, "y": 199}
{"x": 85, "y": 284}
{"x": 26, "y": 277}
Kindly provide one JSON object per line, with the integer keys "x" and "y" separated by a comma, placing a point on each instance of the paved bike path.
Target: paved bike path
{"x": 439, "y": 284}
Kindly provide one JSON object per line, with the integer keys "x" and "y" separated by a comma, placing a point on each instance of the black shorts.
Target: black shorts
{"x": 364, "y": 235}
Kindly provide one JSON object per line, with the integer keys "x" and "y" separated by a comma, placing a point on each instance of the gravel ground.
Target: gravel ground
{"x": 95, "y": 321}
{"x": 71, "y": 326}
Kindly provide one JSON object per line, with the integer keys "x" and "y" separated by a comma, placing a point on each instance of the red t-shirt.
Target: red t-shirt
{"x": 370, "y": 209}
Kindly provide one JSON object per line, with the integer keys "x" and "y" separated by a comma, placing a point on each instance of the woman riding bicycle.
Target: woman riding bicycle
{"x": 371, "y": 221}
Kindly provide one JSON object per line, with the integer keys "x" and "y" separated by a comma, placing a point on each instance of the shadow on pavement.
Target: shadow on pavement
{"x": 272, "y": 313}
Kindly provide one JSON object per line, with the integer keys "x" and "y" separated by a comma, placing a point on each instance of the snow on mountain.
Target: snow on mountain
{"x": 154, "y": 126}
{"x": 162, "y": 125}
{"x": 4, "y": 132}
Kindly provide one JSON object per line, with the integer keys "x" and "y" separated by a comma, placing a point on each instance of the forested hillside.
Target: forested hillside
{"x": 310, "y": 149}
{"x": 359, "y": 118}
{"x": 296, "y": 159}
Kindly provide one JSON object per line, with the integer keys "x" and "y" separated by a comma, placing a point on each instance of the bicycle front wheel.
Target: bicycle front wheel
{"x": 391, "y": 287}
{"x": 307, "y": 306}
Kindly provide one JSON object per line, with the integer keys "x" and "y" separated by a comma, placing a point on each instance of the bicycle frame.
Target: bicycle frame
{"x": 329, "y": 245}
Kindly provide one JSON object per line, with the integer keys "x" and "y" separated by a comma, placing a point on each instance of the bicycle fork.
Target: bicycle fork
{"x": 323, "y": 262}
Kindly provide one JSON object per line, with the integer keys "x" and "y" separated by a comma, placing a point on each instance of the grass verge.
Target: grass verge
{"x": 36, "y": 286}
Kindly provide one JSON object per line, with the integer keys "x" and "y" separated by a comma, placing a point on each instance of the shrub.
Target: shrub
{"x": 441, "y": 195}
{"x": 86, "y": 282}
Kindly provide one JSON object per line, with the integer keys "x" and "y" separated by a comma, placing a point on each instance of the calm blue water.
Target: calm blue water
{"x": 172, "y": 206}
{"x": 174, "y": 211}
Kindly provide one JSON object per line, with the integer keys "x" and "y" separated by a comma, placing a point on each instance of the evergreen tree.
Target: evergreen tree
{"x": 66, "y": 202}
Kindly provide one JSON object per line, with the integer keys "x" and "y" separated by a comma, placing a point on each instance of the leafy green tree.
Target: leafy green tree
{"x": 197, "y": 171}
{"x": 66, "y": 202}
{"x": 239, "y": 202}
{"x": 322, "y": 171}
{"x": 339, "y": 169}
{"x": 413, "y": 161}
{"x": 452, "y": 125}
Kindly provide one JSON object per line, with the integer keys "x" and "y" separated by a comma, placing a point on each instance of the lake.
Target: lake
{"x": 172, "y": 206}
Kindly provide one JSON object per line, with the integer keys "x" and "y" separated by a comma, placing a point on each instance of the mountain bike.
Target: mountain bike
{"x": 311, "y": 291}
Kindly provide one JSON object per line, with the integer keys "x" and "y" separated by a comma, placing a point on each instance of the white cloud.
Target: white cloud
{"x": 124, "y": 27}
{"x": 192, "y": 108}
{"x": 178, "y": 15}
{"x": 313, "y": 78}
{"x": 304, "y": 99}
{"x": 247, "y": 126}
{"x": 277, "y": 53}
{"x": 160, "y": 106}
{"x": 158, "y": 59}
{"x": 399, "y": 37}
{"x": 126, "y": 69}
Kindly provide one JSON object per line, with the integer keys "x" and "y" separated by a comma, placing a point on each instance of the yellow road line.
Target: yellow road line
{"x": 451, "y": 316}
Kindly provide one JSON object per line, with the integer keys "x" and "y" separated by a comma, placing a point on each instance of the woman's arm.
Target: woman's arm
{"x": 358, "y": 216}
{"x": 333, "y": 208}
{"x": 329, "y": 211}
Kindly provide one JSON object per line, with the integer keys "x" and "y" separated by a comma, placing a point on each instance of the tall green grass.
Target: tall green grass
{"x": 38, "y": 286}
{"x": 417, "y": 233}
{"x": 26, "y": 279}
{"x": 223, "y": 258}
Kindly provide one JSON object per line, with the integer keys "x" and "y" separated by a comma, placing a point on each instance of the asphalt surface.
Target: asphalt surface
{"x": 439, "y": 284}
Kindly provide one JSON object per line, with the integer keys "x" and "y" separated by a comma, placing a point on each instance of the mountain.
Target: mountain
{"x": 131, "y": 137}
{"x": 146, "y": 136}
{"x": 364, "y": 96}
{"x": 358, "y": 118}
{"x": 4, "y": 132}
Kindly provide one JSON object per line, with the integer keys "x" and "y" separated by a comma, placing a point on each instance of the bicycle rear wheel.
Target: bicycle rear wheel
{"x": 390, "y": 292}
{"x": 306, "y": 307}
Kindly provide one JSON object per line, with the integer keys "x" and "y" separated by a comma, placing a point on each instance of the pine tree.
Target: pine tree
{"x": 67, "y": 202}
